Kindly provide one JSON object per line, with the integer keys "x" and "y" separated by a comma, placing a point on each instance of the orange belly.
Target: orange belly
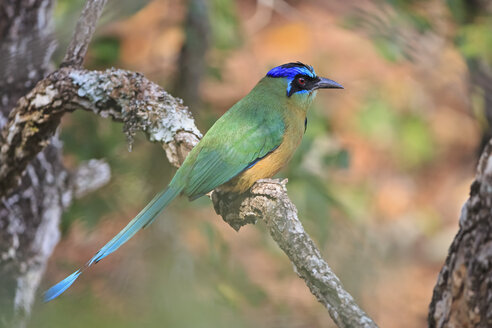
{"x": 272, "y": 163}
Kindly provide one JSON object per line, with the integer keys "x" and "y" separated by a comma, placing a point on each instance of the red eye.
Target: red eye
{"x": 301, "y": 81}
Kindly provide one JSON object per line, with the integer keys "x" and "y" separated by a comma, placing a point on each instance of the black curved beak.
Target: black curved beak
{"x": 327, "y": 84}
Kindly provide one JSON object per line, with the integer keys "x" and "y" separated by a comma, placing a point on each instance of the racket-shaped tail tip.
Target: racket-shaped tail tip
{"x": 94, "y": 260}
{"x": 60, "y": 287}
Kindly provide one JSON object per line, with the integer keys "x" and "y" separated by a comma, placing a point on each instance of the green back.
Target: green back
{"x": 249, "y": 130}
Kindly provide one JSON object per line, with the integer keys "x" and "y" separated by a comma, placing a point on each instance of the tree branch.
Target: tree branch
{"x": 90, "y": 176}
{"x": 267, "y": 200}
{"x": 86, "y": 25}
{"x": 130, "y": 98}
{"x": 124, "y": 96}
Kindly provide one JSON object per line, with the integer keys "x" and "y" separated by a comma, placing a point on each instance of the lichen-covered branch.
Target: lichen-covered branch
{"x": 124, "y": 96}
{"x": 140, "y": 104}
{"x": 267, "y": 200}
{"x": 463, "y": 293}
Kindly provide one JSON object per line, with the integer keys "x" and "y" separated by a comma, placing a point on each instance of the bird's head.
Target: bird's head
{"x": 300, "y": 81}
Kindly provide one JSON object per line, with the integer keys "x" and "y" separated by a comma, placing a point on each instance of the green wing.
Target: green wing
{"x": 240, "y": 137}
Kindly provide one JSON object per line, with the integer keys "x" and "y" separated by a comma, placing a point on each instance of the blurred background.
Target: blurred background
{"x": 379, "y": 180}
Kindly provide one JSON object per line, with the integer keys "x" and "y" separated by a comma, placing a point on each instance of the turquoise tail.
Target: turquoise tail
{"x": 143, "y": 219}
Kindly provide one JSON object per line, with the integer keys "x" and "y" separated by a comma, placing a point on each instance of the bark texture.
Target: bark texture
{"x": 86, "y": 26}
{"x": 35, "y": 187}
{"x": 463, "y": 293}
{"x": 267, "y": 200}
{"x": 124, "y": 96}
{"x": 26, "y": 46}
{"x": 30, "y": 213}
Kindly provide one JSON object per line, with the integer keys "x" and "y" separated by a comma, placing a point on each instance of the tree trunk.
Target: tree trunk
{"x": 192, "y": 62}
{"x": 463, "y": 293}
{"x": 29, "y": 215}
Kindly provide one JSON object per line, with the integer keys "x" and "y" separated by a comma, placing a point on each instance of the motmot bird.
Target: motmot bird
{"x": 253, "y": 140}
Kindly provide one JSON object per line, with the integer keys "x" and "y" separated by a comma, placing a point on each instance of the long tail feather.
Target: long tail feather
{"x": 143, "y": 219}
{"x": 62, "y": 286}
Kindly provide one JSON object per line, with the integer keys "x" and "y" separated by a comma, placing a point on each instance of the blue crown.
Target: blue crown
{"x": 290, "y": 70}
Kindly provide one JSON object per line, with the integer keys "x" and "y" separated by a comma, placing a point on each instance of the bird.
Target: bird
{"x": 253, "y": 140}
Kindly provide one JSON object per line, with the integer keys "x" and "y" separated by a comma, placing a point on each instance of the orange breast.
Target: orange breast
{"x": 272, "y": 163}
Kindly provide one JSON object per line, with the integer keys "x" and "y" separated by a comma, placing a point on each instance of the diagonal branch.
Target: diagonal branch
{"x": 86, "y": 25}
{"x": 267, "y": 200}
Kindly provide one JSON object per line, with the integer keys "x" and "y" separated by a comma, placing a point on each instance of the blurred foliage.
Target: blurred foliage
{"x": 232, "y": 283}
{"x": 121, "y": 9}
{"x": 473, "y": 22}
{"x": 388, "y": 24}
{"x": 86, "y": 136}
{"x": 65, "y": 15}
{"x": 225, "y": 24}
{"x": 169, "y": 299}
{"x": 407, "y": 135}
{"x": 473, "y": 36}
{"x": 105, "y": 51}
{"x": 360, "y": 178}
{"x": 226, "y": 34}
{"x": 411, "y": 11}
{"x": 388, "y": 48}
{"x": 312, "y": 191}
{"x": 475, "y": 40}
